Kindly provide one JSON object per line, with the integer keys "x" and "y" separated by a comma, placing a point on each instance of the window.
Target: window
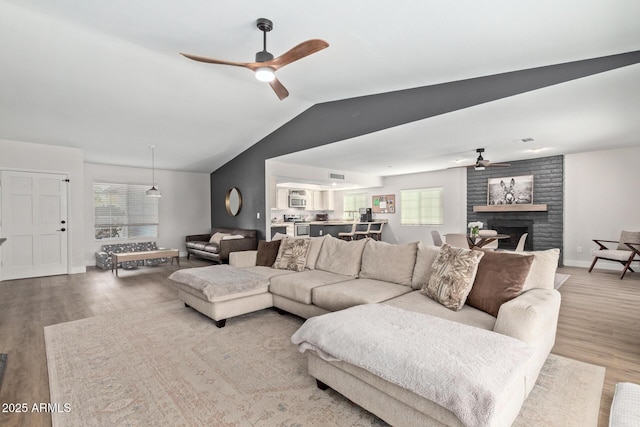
{"x": 353, "y": 203}
{"x": 422, "y": 206}
{"x": 122, "y": 211}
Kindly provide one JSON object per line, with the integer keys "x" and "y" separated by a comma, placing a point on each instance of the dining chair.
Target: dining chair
{"x": 375, "y": 230}
{"x": 435, "y": 235}
{"x": 348, "y": 235}
{"x": 521, "y": 242}
{"x": 457, "y": 240}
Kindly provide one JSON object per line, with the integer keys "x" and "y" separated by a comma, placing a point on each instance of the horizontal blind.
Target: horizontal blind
{"x": 124, "y": 211}
{"x": 353, "y": 203}
{"x": 422, "y": 206}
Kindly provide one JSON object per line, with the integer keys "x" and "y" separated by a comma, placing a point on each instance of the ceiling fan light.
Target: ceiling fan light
{"x": 479, "y": 167}
{"x": 265, "y": 74}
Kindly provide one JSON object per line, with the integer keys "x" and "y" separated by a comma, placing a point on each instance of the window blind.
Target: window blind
{"x": 353, "y": 203}
{"x": 122, "y": 211}
{"x": 422, "y": 206}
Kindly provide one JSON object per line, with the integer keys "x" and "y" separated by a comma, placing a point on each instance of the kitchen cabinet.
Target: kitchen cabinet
{"x": 282, "y": 198}
{"x": 327, "y": 200}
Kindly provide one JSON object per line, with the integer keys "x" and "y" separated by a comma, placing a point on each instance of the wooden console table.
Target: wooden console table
{"x": 142, "y": 255}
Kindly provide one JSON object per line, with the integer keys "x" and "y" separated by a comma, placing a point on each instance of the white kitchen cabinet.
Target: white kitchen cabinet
{"x": 317, "y": 201}
{"x": 282, "y": 198}
{"x": 328, "y": 200}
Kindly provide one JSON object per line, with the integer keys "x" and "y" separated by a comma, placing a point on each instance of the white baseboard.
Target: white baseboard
{"x": 602, "y": 264}
{"x": 78, "y": 270}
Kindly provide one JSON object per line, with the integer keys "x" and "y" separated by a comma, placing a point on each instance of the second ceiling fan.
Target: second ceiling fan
{"x": 265, "y": 64}
{"x": 481, "y": 163}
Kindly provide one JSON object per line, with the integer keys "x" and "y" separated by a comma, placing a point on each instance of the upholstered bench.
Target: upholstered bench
{"x": 222, "y": 291}
{"x": 104, "y": 257}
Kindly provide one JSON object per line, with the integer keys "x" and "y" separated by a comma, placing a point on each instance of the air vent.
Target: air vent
{"x": 336, "y": 176}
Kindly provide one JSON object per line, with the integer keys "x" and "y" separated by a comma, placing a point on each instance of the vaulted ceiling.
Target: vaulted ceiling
{"x": 106, "y": 77}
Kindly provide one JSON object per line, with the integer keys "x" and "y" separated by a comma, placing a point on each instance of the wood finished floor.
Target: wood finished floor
{"x": 599, "y": 323}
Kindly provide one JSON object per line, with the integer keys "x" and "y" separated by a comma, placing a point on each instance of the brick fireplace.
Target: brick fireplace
{"x": 545, "y": 228}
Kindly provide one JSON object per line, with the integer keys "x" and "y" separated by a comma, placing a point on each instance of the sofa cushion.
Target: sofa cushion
{"x": 452, "y": 276}
{"x": 267, "y": 252}
{"x": 197, "y": 245}
{"x": 341, "y": 257}
{"x": 425, "y": 256}
{"x": 416, "y": 301}
{"x": 543, "y": 270}
{"x": 500, "y": 278}
{"x": 292, "y": 254}
{"x": 388, "y": 262}
{"x": 268, "y": 272}
{"x": 314, "y": 251}
{"x": 298, "y": 287}
{"x": 211, "y": 247}
{"x": 628, "y": 237}
{"x": 355, "y": 292}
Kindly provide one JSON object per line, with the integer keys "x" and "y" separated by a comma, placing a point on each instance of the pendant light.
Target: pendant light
{"x": 153, "y": 191}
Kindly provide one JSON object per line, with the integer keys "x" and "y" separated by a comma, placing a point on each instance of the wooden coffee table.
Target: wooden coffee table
{"x": 142, "y": 255}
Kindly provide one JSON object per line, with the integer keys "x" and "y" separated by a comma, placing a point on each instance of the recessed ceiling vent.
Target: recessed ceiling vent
{"x": 337, "y": 176}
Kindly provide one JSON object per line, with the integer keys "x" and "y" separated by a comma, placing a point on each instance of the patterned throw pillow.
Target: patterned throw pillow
{"x": 217, "y": 237}
{"x": 452, "y": 276}
{"x": 292, "y": 254}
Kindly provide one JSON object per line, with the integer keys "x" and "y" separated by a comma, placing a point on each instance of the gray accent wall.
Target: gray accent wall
{"x": 339, "y": 120}
{"x": 548, "y": 188}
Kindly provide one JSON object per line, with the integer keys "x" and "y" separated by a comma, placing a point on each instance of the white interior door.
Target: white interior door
{"x": 33, "y": 219}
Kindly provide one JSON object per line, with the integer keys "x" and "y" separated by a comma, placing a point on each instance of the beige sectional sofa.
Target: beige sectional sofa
{"x": 339, "y": 275}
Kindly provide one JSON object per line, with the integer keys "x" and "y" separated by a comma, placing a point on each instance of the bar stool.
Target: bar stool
{"x": 362, "y": 234}
{"x": 348, "y": 235}
{"x": 375, "y": 230}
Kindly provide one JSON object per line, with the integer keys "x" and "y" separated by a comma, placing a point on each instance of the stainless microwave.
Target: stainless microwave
{"x": 297, "y": 199}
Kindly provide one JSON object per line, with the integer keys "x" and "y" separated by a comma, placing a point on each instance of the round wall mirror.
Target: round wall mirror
{"x": 233, "y": 201}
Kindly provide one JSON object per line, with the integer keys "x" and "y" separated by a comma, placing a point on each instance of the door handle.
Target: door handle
{"x": 62, "y": 229}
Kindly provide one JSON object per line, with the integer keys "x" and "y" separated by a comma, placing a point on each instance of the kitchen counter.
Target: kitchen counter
{"x": 320, "y": 228}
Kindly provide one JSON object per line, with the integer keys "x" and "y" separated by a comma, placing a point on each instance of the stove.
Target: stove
{"x": 300, "y": 226}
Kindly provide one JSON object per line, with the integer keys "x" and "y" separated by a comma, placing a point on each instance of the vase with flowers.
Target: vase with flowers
{"x": 474, "y": 228}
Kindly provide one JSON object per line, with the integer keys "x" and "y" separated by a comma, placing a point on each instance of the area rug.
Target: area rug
{"x": 560, "y": 279}
{"x": 169, "y": 365}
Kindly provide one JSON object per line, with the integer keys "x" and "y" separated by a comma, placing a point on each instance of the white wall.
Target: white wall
{"x": 47, "y": 158}
{"x": 601, "y": 199}
{"x": 454, "y": 183}
{"x": 185, "y": 206}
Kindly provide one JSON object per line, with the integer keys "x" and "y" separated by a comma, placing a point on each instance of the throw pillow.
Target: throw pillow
{"x": 543, "y": 269}
{"x": 267, "y": 252}
{"x": 628, "y": 237}
{"x": 452, "y": 276}
{"x": 341, "y": 257}
{"x": 216, "y": 237}
{"x": 279, "y": 236}
{"x": 292, "y": 254}
{"x": 500, "y": 278}
{"x": 389, "y": 262}
{"x": 424, "y": 260}
{"x": 314, "y": 251}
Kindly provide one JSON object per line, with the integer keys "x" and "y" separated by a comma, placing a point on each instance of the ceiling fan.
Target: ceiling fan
{"x": 265, "y": 65}
{"x": 481, "y": 163}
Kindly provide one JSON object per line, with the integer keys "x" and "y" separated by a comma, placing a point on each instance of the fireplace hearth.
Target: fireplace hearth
{"x": 515, "y": 228}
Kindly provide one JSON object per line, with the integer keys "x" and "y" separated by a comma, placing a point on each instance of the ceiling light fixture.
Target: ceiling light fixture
{"x": 153, "y": 191}
{"x": 265, "y": 74}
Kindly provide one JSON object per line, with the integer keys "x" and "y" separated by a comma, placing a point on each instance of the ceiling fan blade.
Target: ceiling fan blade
{"x": 498, "y": 165}
{"x": 279, "y": 89}
{"x": 216, "y": 61}
{"x": 298, "y": 52}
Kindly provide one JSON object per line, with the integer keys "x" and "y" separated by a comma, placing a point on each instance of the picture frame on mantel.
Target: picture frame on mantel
{"x": 512, "y": 190}
{"x": 384, "y": 203}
